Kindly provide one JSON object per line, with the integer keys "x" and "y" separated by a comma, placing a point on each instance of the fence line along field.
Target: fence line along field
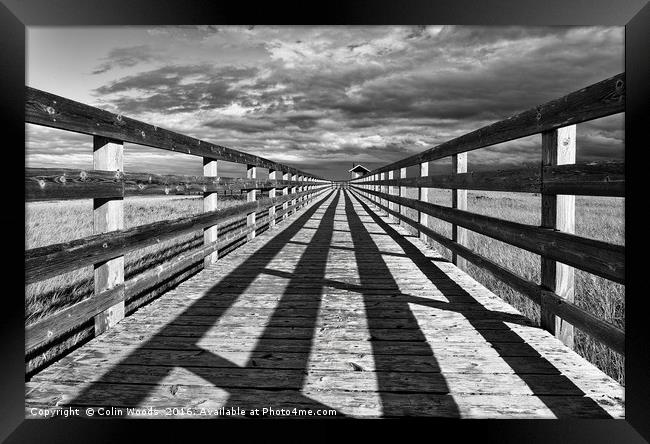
{"x": 599, "y": 218}
{"x": 54, "y": 222}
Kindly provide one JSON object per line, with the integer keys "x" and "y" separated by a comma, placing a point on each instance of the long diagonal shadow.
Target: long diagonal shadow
{"x": 310, "y": 269}
{"x": 216, "y": 369}
{"x": 454, "y": 292}
{"x": 370, "y": 264}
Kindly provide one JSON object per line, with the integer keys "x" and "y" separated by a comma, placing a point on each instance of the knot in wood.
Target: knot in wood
{"x": 143, "y": 134}
{"x": 619, "y": 85}
{"x": 41, "y": 183}
{"x": 105, "y": 245}
{"x": 166, "y": 190}
{"x": 62, "y": 179}
{"x": 83, "y": 175}
{"x": 51, "y": 111}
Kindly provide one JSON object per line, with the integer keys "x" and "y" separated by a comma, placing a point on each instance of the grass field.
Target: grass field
{"x": 599, "y": 218}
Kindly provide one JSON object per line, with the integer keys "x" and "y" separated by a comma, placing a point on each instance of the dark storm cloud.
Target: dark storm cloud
{"x": 176, "y": 89}
{"x": 125, "y": 58}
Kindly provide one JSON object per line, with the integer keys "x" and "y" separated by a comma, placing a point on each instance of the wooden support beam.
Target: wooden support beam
{"x": 402, "y": 193}
{"x": 251, "y": 173}
{"x": 273, "y": 175}
{"x": 558, "y": 212}
{"x": 383, "y": 189}
{"x": 285, "y": 192}
{"x": 108, "y": 215}
{"x": 391, "y": 191}
{"x": 423, "y": 195}
{"x": 210, "y": 169}
{"x": 294, "y": 177}
{"x": 459, "y": 200}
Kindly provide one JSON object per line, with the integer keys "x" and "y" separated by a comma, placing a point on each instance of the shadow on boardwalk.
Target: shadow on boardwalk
{"x": 281, "y": 384}
{"x": 454, "y": 293}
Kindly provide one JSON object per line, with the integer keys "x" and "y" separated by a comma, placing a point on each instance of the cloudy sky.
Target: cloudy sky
{"x": 319, "y": 98}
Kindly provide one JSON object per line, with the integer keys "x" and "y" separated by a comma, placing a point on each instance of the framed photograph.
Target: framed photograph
{"x": 392, "y": 212}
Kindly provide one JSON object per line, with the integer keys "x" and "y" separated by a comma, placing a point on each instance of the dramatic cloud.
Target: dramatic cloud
{"x": 323, "y": 97}
{"x": 125, "y": 58}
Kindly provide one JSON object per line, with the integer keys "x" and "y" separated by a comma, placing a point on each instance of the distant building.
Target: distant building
{"x": 357, "y": 171}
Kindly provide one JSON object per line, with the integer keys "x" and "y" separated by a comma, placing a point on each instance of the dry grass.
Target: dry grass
{"x": 596, "y": 217}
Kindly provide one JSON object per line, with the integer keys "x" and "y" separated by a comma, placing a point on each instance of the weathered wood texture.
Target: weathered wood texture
{"x": 459, "y": 201}
{"x": 601, "y": 99}
{"x": 334, "y": 310}
{"x": 589, "y": 179}
{"x": 108, "y": 216}
{"x": 552, "y": 304}
{"x": 42, "y": 108}
{"x": 558, "y": 213}
{"x": 44, "y": 262}
{"x": 65, "y": 183}
{"x": 210, "y": 203}
{"x": 251, "y": 173}
{"x": 597, "y": 257}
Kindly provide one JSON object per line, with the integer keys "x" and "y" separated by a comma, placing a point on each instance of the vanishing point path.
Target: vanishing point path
{"x": 335, "y": 309}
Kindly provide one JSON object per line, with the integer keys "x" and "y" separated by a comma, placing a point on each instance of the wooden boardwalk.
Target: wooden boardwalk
{"x": 335, "y": 308}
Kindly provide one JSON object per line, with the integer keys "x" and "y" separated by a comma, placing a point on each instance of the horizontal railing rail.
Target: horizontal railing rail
{"x": 46, "y": 109}
{"x": 589, "y": 179}
{"x": 601, "y": 99}
{"x": 558, "y": 179}
{"x": 43, "y": 184}
{"x": 600, "y": 258}
{"x": 48, "y": 261}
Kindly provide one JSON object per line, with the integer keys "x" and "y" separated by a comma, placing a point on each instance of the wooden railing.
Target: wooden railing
{"x": 107, "y": 184}
{"x": 558, "y": 180}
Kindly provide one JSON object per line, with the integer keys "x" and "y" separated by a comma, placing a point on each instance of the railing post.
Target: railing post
{"x": 391, "y": 191}
{"x": 285, "y": 191}
{"x": 251, "y": 173}
{"x": 384, "y": 189}
{"x": 558, "y": 212}
{"x": 301, "y": 178}
{"x": 402, "y": 193}
{"x": 423, "y": 195}
{"x": 273, "y": 175}
{"x": 459, "y": 200}
{"x": 210, "y": 204}
{"x": 375, "y": 177}
{"x": 294, "y": 201}
{"x": 108, "y": 215}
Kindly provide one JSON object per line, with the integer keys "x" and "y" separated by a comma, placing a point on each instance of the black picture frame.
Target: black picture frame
{"x": 17, "y": 14}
